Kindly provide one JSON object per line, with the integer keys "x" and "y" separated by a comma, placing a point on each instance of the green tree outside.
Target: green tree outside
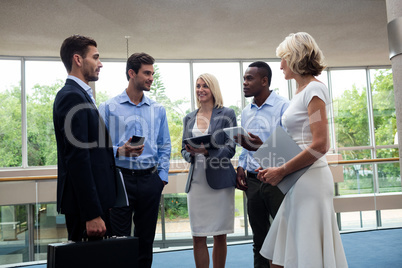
{"x": 352, "y": 130}
{"x": 351, "y": 121}
{"x": 174, "y": 113}
{"x": 42, "y": 148}
{"x": 10, "y": 127}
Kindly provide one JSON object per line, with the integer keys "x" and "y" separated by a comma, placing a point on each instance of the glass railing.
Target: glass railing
{"x": 368, "y": 196}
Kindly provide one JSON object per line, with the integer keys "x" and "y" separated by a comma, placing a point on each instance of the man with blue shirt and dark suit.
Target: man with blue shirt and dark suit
{"x": 86, "y": 183}
{"x": 144, "y": 167}
{"x": 260, "y": 118}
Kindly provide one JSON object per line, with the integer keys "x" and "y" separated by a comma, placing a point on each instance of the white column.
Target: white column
{"x": 394, "y": 15}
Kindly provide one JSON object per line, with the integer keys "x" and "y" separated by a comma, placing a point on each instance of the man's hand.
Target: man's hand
{"x": 96, "y": 227}
{"x": 130, "y": 151}
{"x": 241, "y": 179}
{"x": 251, "y": 143}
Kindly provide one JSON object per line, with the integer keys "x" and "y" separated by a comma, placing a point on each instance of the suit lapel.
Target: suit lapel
{"x": 216, "y": 113}
{"x": 102, "y": 126}
{"x": 73, "y": 83}
{"x": 191, "y": 122}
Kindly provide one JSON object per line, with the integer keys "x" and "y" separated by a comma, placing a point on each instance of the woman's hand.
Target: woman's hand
{"x": 199, "y": 150}
{"x": 271, "y": 175}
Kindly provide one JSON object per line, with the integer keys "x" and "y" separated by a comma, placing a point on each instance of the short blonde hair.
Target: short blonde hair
{"x": 213, "y": 85}
{"x": 302, "y": 54}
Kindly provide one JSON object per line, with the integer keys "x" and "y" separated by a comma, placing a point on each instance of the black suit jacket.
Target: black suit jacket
{"x": 219, "y": 169}
{"x": 86, "y": 181}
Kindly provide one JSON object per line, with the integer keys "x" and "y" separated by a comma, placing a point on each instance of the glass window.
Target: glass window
{"x": 13, "y": 234}
{"x": 388, "y": 153}
{"x": 240, "y": 224}
{"x": 50, "y": 228}
{"x": 278, "y": 82}
{"x": 350, "y": 108}
{"x": 177, "y": 222}
{"x": 358, "y": 179}
{"x": 389, "y": 178}
{"x": 323, "y": 77}
{"x": 172, "y": 88}
{"x": 358, "y": 220}
{"x": 43, "y": 80}
{"x": 10, "y": 114}
{"x": 383, "y": 106}
{"x": 355, "y": 154}
{"x": 112, "y": 81}
{"x": 391, "y": 218}
{"x": 230, "y": 81}
{"x": 176, "y": 80}
{"x": 228, "y": 75}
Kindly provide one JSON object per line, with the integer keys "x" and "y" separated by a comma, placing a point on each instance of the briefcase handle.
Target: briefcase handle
{"x": 85, "y": 237}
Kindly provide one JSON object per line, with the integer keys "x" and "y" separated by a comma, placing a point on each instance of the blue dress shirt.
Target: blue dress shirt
{"x": 148, "y": 119}
{"x": 261, "y": 121}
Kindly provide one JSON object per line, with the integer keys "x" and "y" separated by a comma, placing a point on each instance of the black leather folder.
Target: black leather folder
{"x": 196, "y": 141}
{"x": 112, "y": 252}
{"x": 121, "y": 193}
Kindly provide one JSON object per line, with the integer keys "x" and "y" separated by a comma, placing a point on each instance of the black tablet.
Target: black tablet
{"x": 196, "y": 141}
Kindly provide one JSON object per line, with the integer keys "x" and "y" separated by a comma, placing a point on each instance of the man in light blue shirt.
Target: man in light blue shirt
{"x": 260, "y": 118}
{"x": 144, "y": 167}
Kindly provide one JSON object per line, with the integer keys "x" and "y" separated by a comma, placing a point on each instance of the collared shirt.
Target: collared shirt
{"x": 261, "y": 121}
{"x": 148, "y": 119}
{"x": 82, "y": 84}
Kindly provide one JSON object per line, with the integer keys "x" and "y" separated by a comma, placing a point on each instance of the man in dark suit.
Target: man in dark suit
{"x": 86, "y": 182}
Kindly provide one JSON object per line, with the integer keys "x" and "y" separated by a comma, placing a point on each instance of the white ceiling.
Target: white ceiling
{"x": 350, "y": 32}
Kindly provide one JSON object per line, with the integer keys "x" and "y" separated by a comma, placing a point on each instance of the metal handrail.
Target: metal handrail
{"x": 175, "y": 171}
{"x": 362, "y": 161}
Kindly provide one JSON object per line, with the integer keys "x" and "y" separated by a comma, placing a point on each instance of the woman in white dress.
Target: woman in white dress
{"x": 305, "y": 232}
{"x": 211, "y": 179}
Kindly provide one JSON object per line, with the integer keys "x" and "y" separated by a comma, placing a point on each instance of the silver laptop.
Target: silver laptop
{"x": 278, "y": 149}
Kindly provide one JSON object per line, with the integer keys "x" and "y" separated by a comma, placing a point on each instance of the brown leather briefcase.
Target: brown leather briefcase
{"x": 112, "y": 252}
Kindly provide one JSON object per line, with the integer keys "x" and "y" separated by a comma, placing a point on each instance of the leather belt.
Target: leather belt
{"x": 138, "y": 171}
{"x": 251, "y": 175}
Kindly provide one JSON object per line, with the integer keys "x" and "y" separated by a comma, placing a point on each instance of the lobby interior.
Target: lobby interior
{"x": 355, "y": 37}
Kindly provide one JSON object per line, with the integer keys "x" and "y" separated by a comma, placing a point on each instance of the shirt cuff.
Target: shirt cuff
{"x": 164, "y": 175}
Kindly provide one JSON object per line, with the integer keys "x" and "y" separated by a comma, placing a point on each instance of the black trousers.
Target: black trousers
{"x": 263, "y": 200}
{"x": 144, "y": 191}
{"x": 76, "y": 226}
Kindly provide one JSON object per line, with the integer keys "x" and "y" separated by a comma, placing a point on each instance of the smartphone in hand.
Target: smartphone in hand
{"x": 137, "y": 140}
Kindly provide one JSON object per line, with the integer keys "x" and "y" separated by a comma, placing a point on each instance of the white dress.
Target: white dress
{"x": 304, "y": 233}
{"x": 211, "y": 211}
